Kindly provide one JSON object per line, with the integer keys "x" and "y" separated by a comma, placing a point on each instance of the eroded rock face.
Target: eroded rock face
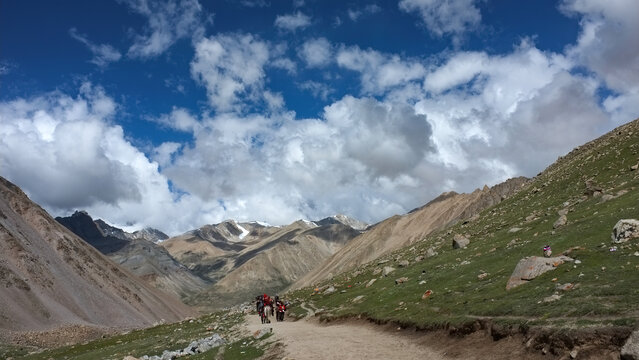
{"x": 625, "y": 230}
{"x": 530, "y": 267}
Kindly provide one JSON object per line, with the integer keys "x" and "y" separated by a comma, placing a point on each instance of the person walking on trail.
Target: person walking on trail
{"x": 260, "y": 307}
{"x": 281, "y": 308}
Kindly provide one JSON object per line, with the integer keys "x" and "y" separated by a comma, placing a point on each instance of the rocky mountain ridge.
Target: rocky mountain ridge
{"x": 50, "y": 277}
{"x": 142, "y": 257}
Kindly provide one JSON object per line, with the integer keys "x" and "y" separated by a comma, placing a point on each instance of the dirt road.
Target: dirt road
{"x": 308, "y": 339}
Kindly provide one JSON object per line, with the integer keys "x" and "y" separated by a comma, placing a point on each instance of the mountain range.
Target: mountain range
{"x": 50, "y": 277}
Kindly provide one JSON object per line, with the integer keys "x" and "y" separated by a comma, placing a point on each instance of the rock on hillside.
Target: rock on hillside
{"x": 50, "y": 277}
{"x": 276, "y": 261}
{"x": 400, "y": 231}
{"x": 143, "y": 258}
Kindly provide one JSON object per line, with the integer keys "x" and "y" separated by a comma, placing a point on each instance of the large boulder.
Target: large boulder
{"x": 625, "y": 230}
{"x": 630, "y": 350}
{"x": 460, "y": 241}
{"x": 560, "y": 222}
{"x": 530, "y": 267}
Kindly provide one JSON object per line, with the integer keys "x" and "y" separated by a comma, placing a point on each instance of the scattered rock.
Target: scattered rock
{"x": 382, "y": 262}
{"x": 514, "y": 230}
{"x": 552, "y": 298}
{"x": 592, "y": 189}
{"x": 625, "y": 230}
{"x": 569, "y": 251}
{"x": 377, "y": 271}
{"x": 431, "y": 252}
{"x": 606, "y": 197}
{"x": 195, "y": 347}
{"x": 460, "y": 241}
{"x": 560, "y": 222}
{"x": 574, "y": 353}
{"x": 358, "y": 299}
{"x": 330, "y": 290}
{"x": 262, "y": 332}
{"x": 630, "y": 349}
{"x": 419, "y": 258}
{"x": 387, "y": 270}
{"x": 129, "y": 357}
{"x": 404, "y": 263}
{"x": 565, "y": 287}
{"x": 401, "y": 280}
{"x": 530, "y": 267}
{"x": 422, "y": 282}
{"x": 371, "y": 282}
{"x": 563, "y": 211}
{"x": 482, "y": 276}
{"x": 427, "y": 294}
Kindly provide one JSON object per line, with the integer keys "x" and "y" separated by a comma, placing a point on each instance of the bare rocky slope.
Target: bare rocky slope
{"x": 399, "y": 231}
{"x": 52, "y": 278}
{"x": 142, "y": 257}
{"x": 244, "y": 259}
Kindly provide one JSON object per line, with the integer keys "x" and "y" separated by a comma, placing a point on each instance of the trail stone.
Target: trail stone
{"x": 387, "y": 270}
{"x": 530, "y": 267}
{"x": 552, "y": 298}
{"x": 625, "y": 230}
{"x": 262, "y": 332}
{"x": 370, "y": 283}
{"x": 630, "y": 350}
{"x": 460, "y": 241}
{"x": 560, "y": 222}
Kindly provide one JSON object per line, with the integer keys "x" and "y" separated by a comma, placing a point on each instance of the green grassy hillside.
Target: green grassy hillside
{"x": 153, "y": 341}
{"x": 605, "y": 288}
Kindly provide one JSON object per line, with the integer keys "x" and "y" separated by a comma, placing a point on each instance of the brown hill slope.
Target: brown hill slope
{"x": 277, "y": 261}
{"x": 49, "y": 277}
{"x": 146, "y": 259}
{"x": 399, "y": 231}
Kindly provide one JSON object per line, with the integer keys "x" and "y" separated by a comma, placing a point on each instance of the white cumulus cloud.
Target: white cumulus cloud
{"x": 167, "y": 22}
{"x": 379, "y": 72}
{"x": 316, "y": 52}
{"x": 292, "y": 22}
{"x": 445, "y": 17}
{"x": 231, "y": 66}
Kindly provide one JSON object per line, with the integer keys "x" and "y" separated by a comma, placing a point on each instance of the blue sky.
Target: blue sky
{"x": 178, "y": 113}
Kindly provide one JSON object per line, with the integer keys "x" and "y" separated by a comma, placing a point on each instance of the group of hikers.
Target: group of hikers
{"x": 267, "y": 306}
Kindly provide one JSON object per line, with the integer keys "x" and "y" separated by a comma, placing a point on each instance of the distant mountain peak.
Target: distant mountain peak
{"x": 344, "y": 220}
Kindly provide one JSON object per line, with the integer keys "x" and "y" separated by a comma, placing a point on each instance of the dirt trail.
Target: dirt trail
{"x": 308, "y": 339}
